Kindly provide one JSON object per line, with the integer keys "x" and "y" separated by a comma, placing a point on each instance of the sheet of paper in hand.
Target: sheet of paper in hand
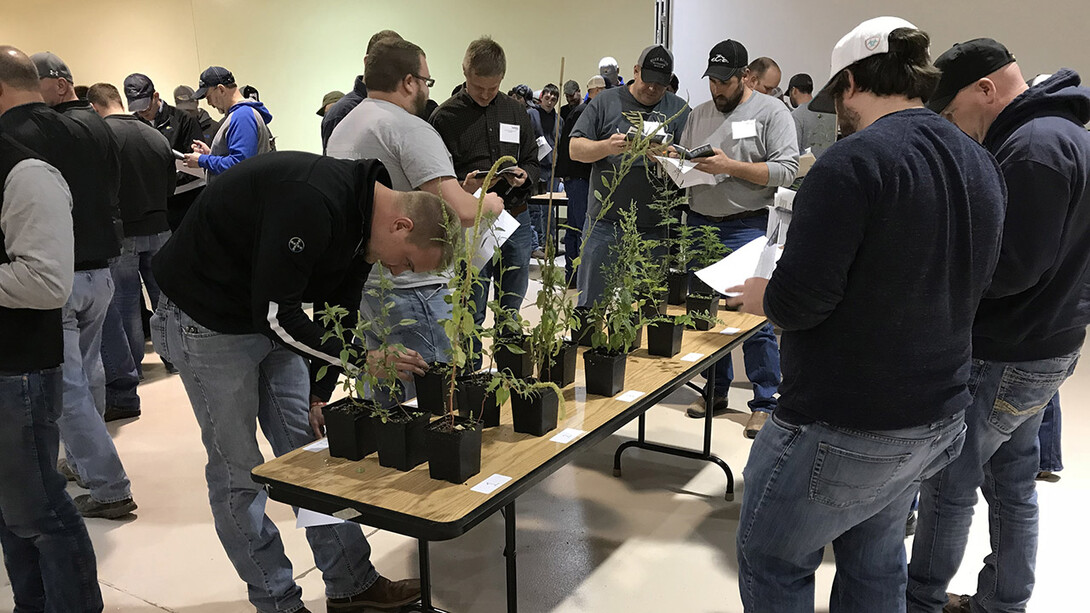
{"x": 493, "y": 237}
{"x": 756, "y": 258}
{"x": 684, "y": 173}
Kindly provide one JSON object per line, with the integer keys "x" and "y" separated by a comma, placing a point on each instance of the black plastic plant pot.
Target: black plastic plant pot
{"x": 401, "y": 441}
{"x": 664, "y": 338}
{"x": 582, "y": 330}
{"x": 677, "y": 284}
{"x": 536, "y": 413}
{"x": 707, "y": 305}
{"x": 350, "y": 429}
{"x": 433, "y": 389}
{"x": 454, "y": 454}
{"x": 604, "y": 372}
{"x": 473, "y": 399}
{"x": 520, "y": 364}
{"x": 638, "y": 341}
{"x": 560, "y": 368}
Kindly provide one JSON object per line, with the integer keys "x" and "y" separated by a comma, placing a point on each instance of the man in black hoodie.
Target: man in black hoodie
{"x": 1028, "y": 329}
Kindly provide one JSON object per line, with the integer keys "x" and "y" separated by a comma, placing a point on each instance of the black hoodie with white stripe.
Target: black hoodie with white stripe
{"x": 274, "y": 232}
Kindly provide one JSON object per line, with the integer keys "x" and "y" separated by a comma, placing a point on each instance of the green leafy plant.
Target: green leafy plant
{"x": 367, "y": 370}
{"x": 709, "y": 247}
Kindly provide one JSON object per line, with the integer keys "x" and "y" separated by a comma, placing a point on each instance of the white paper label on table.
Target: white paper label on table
{"x": 414, "y": 403}
{"x": 491, "y": 484}
{"x": 317, "y": 446}
{"x": 743, "y": 129}
{"x": 543, "y": 148}
{"x": 310, "y": 519}
{"x": 509, "y": 133}
{"x": 691, "y": 357}
{"x": 731, "y": 331}
{"x": 494, "y": 237}
{"x": 741, "y": 264}
{"x": 684, "y": 173}
{"x": 346, "y": 514}
{"x": 629, "y": 396}
{"x": 567, "y": 436}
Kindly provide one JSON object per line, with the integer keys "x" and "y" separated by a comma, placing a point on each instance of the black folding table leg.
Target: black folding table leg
{"x": 424, "y": 606}
{"x": 510, "y": 552}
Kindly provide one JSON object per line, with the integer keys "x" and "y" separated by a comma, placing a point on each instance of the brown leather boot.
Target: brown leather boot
{"x": 756, "y": 421}
{"x": 384, "y": 595}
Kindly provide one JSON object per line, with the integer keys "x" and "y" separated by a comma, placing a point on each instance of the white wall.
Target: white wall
{"x": 800, "y": 34}
{"x": 295, "y": 51}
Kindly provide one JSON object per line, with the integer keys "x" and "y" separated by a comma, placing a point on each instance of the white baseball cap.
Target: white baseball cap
{"x": 868, "y": 38}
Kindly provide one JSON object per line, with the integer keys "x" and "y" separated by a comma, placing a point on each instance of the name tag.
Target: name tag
{"x": 509, "y": 133}
{"x": 743, "y": 129}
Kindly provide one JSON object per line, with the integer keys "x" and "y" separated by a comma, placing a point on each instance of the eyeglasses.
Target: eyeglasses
{"x": 427, "y": 80}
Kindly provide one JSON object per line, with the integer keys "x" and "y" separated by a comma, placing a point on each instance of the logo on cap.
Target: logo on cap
{"x": 872, "y": 42}
{"x": 719, "y": 59}
{"x": 296, "y": 245}
{"x": 658, "y": 62}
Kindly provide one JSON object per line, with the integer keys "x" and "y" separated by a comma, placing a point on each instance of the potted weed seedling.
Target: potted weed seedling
{"x": 454, "y": 441}
{"x": 352, "y": 423}
{"x": 703, "y": 302}
{"x": 550, "y": 351}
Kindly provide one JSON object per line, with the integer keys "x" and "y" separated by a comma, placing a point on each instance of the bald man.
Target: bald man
{"x": 1028, "y": 330}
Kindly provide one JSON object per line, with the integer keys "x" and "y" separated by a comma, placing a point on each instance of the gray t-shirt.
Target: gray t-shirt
{"x": 408, "y": 146}
{"x": 774, "y": 144}
{"x": 814, "y": 130}
{"x": 605, "y": 116}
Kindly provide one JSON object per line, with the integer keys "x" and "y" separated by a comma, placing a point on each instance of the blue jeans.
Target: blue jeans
{"x": 578, "y": 191}
{"x": 87, "y": 443}
{"x": 809, "y": 485}
{"x": 122, "y": 375}
{"x": 1049, "y": 437}
{"x": 49, "y": 558}
{"x": 427, "y": 306}
{"x": 511, "y": 275}
{"x": 235, "y": 383}
{"x": 1000, "y": 458}
{"x": 598, "y": 242}
{"x": 128, "y": 269}
{"x": 761, "y": 352}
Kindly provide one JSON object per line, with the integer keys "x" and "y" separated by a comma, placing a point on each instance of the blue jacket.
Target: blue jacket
{"x": 1031, "y": 310}
{"x": 243, "y": 134}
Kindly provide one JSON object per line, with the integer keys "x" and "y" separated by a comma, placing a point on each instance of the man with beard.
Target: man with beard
{"x": 895, "y": 234}
{"x": 386, "y": 127}
{"x": 755, "y": 152}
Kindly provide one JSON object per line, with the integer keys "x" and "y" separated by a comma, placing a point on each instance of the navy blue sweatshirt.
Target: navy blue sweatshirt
{"x": 894, "y": 239}
{"x": 1031, "y": 310}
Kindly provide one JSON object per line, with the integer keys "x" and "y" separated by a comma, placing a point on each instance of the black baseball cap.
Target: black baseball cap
{"x": 50, "y": 66}
{"x": 656, "y": 65}
{"x": 727, "y": 59}
{"x": 802, "y": 82}
{"x": 213, "y": 76}
{"x": 138, "y": 92}
{"x": 965, "y": 64}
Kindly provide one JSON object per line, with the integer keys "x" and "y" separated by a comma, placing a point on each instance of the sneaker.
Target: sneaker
{"x": 69, "y": 473}
{"x": 116, "y": 413}
{"x": 1048, "y": 476}
{"x": 910, "y": 524}
{"x": 538, "y": 254}
{"x": 756, "y": 421}
{"x": 957, "y": 603}
{"x": 89, "y": 507}
{"x": 719, "y": 407}
{"x": 384, "y": 595}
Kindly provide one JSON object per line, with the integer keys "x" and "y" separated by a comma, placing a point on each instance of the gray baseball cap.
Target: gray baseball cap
{"x": 51, "y": 67}
{"x": 183, "y": 98}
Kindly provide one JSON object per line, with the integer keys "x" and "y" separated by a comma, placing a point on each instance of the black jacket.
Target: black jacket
{"x": 276, "y": 231}
{"x": 565, "y": 166}
{"x": 70, "y": 147}
{"x": 147, "y": 175}
{"x": 181, "y": 129}
{"x": 1031, "y": 310}
{"x": 342, "y": 108}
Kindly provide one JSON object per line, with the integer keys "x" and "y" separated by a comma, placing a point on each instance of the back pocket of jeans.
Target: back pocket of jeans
{"x": 1022, "y": 394}
{"x": 843, "y": 478}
